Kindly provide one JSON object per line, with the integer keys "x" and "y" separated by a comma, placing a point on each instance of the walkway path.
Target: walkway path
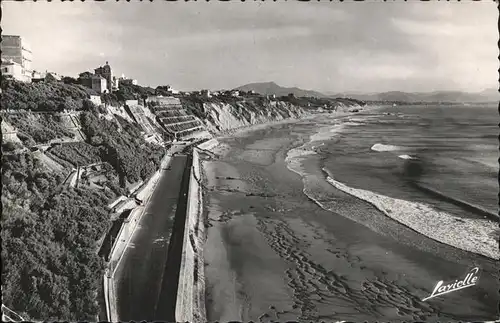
{"x": 139, "y": 275}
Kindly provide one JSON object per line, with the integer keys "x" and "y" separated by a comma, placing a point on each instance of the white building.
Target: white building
{"x": 11, "y": 69}
{"x": 206, "y": 93}
{"x": 124, "y": 80}
{"x": 16, "y": 49}
{"x": 96, "y": 99}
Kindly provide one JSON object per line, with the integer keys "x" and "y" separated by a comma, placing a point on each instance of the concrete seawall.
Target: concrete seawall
{"x": 190, "y": 304}
{"x": 207, "y": 145}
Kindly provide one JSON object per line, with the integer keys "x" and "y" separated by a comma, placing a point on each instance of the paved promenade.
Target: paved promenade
{"x": 138, "y": 276}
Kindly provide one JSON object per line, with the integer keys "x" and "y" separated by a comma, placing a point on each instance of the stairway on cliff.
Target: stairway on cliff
{"x": 177, "y": 122}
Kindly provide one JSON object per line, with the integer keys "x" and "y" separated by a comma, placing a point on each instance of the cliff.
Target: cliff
{"x": 223, "y": 112}
{"x": 223, "y": 116}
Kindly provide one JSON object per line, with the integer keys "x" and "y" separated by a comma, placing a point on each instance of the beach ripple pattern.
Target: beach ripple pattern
{"x": 317, "y": 289}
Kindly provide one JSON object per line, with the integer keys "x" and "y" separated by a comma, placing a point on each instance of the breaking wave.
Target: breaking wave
{"x": 406, "y": 157}
{"x": 473, "y": 235}
{"x": 382, "y": 147}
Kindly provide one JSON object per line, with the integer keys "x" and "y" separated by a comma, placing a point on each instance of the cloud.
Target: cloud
{"x": 460, "y": 46}
{"x": 324, "y": 46}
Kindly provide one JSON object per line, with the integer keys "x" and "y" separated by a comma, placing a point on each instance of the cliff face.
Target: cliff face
{"x": 224, "y": 116}
{"x": 226, "y": 113}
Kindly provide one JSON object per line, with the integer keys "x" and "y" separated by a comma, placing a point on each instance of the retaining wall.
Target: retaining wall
{"x": 146, "y": 189}
{"x": 115, "y": 202}
{"x": 207, "y": 145}
{"x": 190, "y": 306}
{"x": 125, "y": 205}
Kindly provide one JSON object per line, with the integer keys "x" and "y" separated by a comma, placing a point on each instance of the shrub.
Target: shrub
{"x": 43, "y": 96}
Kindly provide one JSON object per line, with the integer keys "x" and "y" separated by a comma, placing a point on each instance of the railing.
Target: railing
{"x": 171, "y": 113}
{"x": 9, "y": 315}
{"x": 176, "y": 119}
{"x": 183, "y": 127}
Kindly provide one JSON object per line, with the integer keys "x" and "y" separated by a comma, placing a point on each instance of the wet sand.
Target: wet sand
{"x": 273, "y": 254}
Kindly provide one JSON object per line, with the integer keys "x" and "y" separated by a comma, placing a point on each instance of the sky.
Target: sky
{"x": 330, "y": 47}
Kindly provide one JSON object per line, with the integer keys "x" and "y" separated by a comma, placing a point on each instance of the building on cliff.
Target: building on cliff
{"x": 95, "y": 82}
{"x": 96, "y": 99}
{"x": 45, "y": 77}
{"x": 126, "y": 81}
{"x": 112, "y": 83}
{"x": 16, "y": 49}
{"x": 52, "y": 77}
{"x": 165, "y": 89}
{"x": 206, "y": 93}
{"x": 11, "y": 69}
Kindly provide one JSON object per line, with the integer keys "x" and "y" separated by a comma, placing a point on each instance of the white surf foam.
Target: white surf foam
{"x": 358, "y": 120}
{"x": 382, "y": 147}
{"x": 473, "y": 235}
{"x": 298, "y": 152}
{"x": 351, "y": 123}
{"x": 325, "y": 133}
{"x": 406, "y": 157}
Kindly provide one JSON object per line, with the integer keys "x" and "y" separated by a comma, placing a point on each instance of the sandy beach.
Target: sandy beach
{"x": 273, "y": 254}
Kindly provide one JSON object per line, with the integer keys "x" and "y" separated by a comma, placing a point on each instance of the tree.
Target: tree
{"x": 88, "y": 105}
{"x": 9, "y": 146}
{"x": 69, "y": 80}
{"x": 85, "y": 75}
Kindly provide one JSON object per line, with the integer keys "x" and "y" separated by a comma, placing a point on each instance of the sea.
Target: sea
{"x": 444, "y": 156}
{"x": 433, "y": 168}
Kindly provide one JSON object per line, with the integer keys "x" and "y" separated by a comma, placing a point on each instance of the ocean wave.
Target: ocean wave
{"x": 361, "y": 120}
{"x": 406, "y": 157}
{"x": 382, "y": 147}
{"x": 473, "y": 235}
{"x": 325, "y": 133}
{"x": 457, "y": 201}
{"x": 490, "y": 162}
{"x": 353, "y": 123}
{"x": 298, "y": 152}
{"x": 336, "y": 128}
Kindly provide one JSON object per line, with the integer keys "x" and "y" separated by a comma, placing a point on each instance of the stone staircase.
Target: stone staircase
{"x": 176, "y": 121}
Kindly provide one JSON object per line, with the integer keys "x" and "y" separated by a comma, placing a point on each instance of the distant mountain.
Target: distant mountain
{"x": 269, "y": 88}
{"x": 489, "y": 95}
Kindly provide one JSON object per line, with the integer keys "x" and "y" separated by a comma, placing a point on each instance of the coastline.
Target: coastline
{"x": 305, "y": 116}
{"x": 272, "y": 254}
{"x": 422, "y": 218}
{"x": 235, "y": 132}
